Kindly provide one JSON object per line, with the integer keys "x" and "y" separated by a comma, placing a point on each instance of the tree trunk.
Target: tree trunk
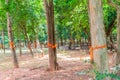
{"x": 61, "y": 41}
{"x": 74, "y": 43}
{"x": 110, "y": 26}
{"x": 118, "y": 30}
{"x": 28, "y": 42}
{"x": 42, "y": 49}
{"x": 80, "y": 43}
{"x": 98, "y": 37}
{"x": 20, "y": 50}
{"x": 51, "y": 34}
{"x": 70, "y": 44}
{"x": 111, "y": 43}
{"x": 30, "y": 49}
{"x": 118, "y": 38}
{"x": 35, "y": 44}
{"x": 9, "y": 27}
{"x": 3, "y": 41}
{"x": 58, "y": 44}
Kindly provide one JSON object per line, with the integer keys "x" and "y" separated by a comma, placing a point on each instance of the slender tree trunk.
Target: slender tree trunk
{"x": 70, "y": 44}
{"x": 28, "y": 42}
{"x": 58, "y": 44}
{"x": 74, "y": 42}
{"x": 35, "y": 44}
{"x": 20, "y": 50}
{"x": 42, "y": 49}
{"x": 118, "y": 38}
{"x": 51, "y": 34}
{"x": 98, "y": 37}
{"x": 110, "y": 26}
{"x": 61, "y": 41}
{"x": 111, "y": 43}
{"x": 3, "y": 41}
{"x": 29, "y": 47}
{"x": 65, "y": 43}
{"x": 80, "y": 43}
{"x": 11, "y": 40}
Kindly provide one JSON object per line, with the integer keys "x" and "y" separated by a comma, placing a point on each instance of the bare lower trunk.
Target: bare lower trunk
{"x": 98, "y": 37}
{"x": 70, "y": 44}
{"x": 35, "y": 44}
{"x": 30, "y": 49}
{"x": 3, "y": 41}
{"x": 61, "y": 41}
{"x": 42, "y": 49}
{"x": 58, "y": 44}
{"x": 20, "y": 50}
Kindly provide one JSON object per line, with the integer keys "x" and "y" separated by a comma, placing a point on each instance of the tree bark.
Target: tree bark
{"x": 98, "y": 37}
{"x": 61, "y": 41}
{"x": 70, "y": 44}
{"x": 51, "y": 34}
{"x": 20, "y": 50}
{"x": 118, "y": 38}
{"x": 30, "y": 49}
{"x": 111, "y": 26}
{"x": 28, "y": 41}
{"x": 3, "y": 41}
{"x": 11, "y": 40}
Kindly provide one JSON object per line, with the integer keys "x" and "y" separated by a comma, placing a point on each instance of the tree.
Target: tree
{"x": 117, "y": 7}
{"x": 49, "y": 7}
{"x": 3, "y": 40}
{"x": 98, "y": 37}
{"x": 11, "y": 40}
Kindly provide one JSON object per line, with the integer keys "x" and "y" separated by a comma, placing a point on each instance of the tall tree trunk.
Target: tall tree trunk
{"x": 51, "y": 34}
{"x": 98, "y": 37}
{"x": 3, "y": 41}
{"x": 11, "y": 40}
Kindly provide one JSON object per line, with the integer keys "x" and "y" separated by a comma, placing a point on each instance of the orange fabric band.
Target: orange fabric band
{"x": 12, "y": 44}
{"x": 35, "y": 44}
{"x": 94, "y": 48}
{"x": 54, "y": 46}
{"x": 50, "y": 45}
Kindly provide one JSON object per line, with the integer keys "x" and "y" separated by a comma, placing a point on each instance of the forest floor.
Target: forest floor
{"x": 74, "y": 65}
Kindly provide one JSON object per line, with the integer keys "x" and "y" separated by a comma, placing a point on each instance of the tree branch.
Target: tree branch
{"x": 110, "y": 27}
{"x": 118, "y": 1}
{"x": 113, "y": 4}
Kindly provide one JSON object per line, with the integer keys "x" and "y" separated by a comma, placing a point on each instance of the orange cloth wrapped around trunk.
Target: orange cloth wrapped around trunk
{"x": 94, "y": 48}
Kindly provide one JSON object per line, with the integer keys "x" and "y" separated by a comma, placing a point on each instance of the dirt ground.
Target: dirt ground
{"x": 74, "y": 66}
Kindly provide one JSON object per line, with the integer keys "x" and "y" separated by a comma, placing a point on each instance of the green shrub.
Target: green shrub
{"x": 101, "y": 76}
